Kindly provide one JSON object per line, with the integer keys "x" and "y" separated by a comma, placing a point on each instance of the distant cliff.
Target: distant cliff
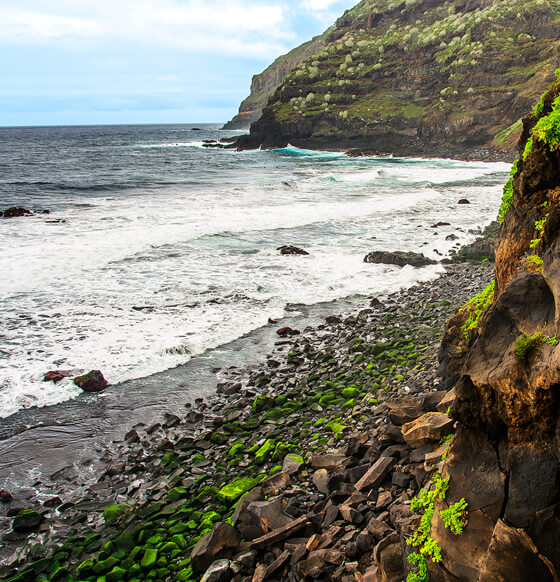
{"x": 418, "y": 77}
{"x": 263, "y": 85}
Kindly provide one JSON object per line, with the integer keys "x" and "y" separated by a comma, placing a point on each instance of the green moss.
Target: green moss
{"x": 262, "y": 403}
{"x": 234, "y": 490}
{"x": 527, "y": 344}
{"x": 149, "y": 559}
{"x": 507, "y": 198}
{"x": 262, "y": 454}
{"x": 114, "y": 514}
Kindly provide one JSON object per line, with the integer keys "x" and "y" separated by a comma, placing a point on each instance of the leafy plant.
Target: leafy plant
{"x": 533, "y": 263}
{"x": 454, "y": 518}
{"x": 526, "y": 344}
{"x": 475, "y": 308}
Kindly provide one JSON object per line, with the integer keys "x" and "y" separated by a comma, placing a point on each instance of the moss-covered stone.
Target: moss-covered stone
{"x": 149, "y": 559}
{"x": 104, "y": 566}
{"x": 262, "y": 454}
{"x": 114, "y": 514}
{"x": 234, "y": 490}
{"x": 116, "y": 574}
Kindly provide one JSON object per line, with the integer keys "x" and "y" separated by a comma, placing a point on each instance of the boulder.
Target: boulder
{"x": 375, "y": 475}
{"x": 398, "y": 258}
{"x": 91, "y": 382}
{"x": 291, "y": 250}
{"x": 388, "y": 556}
{"x": 221, "y": 542}
{"x": 287, "y": 332}
{"x": 427, "y": 429}
{"x": 463, "y": 201}
{"x": 292, "y": 464}
{"x": 5, "y": 496}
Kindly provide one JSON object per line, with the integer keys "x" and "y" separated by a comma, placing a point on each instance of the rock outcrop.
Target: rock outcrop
{"x": 449, "y": 78}
{"x": 505, "y": 458}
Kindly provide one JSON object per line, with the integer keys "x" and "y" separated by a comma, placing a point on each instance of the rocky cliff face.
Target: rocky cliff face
{"x": 419, "y": 77}
{"x": 505, "y": 458}
{"x": 264, "y": 84}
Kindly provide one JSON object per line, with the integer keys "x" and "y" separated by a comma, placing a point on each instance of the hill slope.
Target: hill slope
{"x": 419, "y": 77}
{"x": 264, "y": 84}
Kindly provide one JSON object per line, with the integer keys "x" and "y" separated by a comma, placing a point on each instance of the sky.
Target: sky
{"x": 66, "y": 62}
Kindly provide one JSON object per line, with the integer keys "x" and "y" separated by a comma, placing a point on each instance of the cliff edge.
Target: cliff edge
{"x": 503, "y": 348}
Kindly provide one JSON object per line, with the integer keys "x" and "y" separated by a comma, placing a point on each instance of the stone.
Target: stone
{"x": 463, "y": 201}
{"x": 447, "y": 401}
{"x": 221, "y": 542}
{"x": 431, "y": 427}
{"x": 398, "y": 258}
{"x": 287, "y": 332}
{"x": 15, "y": 212}
{"x": 242, "y": 519}
{"x": 219, "y": 571}
{"x": 321, "y": 480}
{"x": 330, "y": 462}
{"x": 276, "y": 483}
{"x": 375, "y": 474}
{"x": 115, "y": 514}
{"x": 291, "y": 250}
{"x": 57, "y": 376}
{"x": 388, "y": 556}
{"x": 280, "y": 534}
{"x": 404, "y": 410}
{"x": 400, "y": 479}
{"x": 26, "y": 521}
{"x": 292, "y": 464}
{"x": 268, "y": 515}
{"x": 91, "y": 382}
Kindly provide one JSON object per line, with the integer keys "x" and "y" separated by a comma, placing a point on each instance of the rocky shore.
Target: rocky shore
{"x": 314, "y": 436}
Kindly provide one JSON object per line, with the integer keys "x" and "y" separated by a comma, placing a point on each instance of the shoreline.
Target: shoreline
{"x": 256, "y": 419}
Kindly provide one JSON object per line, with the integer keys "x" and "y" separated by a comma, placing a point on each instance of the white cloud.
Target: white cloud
{"x": 318, "y": 4}
{"x": 233, "y": 26}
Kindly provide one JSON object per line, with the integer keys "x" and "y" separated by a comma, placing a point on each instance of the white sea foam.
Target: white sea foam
{"x": 136, "y": 283}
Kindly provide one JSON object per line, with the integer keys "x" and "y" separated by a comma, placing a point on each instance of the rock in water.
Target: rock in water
{"x": 291, "y": 250}
{"x": 398, "y": 258}
{"x": 57, "y": 376}
{"x": 287, "y": 332}
{"x": 91, "y": 382}
{"x": 15, "y": 212}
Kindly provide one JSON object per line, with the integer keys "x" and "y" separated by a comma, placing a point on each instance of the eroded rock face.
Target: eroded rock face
{"x": 505, "y": 458}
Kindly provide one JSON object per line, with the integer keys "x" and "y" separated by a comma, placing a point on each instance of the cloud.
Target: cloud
{"x": 318, "y": 4}
{"x": 236, "y": 26}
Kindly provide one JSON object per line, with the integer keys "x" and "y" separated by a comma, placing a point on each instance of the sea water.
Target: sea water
{"x": 157, "y": 249}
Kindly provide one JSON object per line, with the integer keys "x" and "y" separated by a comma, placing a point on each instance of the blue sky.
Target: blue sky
{"x": 143, "y": 61}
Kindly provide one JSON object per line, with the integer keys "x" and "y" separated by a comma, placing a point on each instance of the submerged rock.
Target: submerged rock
{"x": 91, "y": 382}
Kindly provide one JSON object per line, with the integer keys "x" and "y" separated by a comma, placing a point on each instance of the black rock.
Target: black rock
{"x": 398, "y": 258}
{"x": 91, "y": 382}
{"x": 291, "y": 250}
{"x": 27, "y": 521}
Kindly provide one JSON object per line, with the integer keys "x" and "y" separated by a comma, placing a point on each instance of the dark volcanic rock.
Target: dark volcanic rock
{"x": 91, "y": 382}
{"x": 27, "y": 521}
{"x": 57, "y": 376}
{"x": 398, "y": 258}
{"x": 219, "y": 543}
{"x": 15, "y": 212}
{"x": 291, "y": 250}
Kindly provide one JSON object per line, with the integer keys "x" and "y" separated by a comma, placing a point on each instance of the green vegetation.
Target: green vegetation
{"x": 533, "y": 263}
{"x": 507, "y": 198}
{"x": 475, "y": 308}
{"x": 526, "y": 344}
{"x": 509, "y": 132}
{"x": 454, "y": 518}
{"x": 547, "y": 129}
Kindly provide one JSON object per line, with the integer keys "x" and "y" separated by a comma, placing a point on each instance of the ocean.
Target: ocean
{"x": 157, "y": 249}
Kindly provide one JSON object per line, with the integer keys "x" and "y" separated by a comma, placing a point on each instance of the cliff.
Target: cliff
{"x": 418, "y": 77}
{"x": 264, "y": 84}
{"x": 505, "y": 458}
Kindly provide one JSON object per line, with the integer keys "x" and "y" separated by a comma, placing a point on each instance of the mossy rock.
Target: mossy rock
{"x": 262, "y": 403}
{"x": 230, "y": 493}
{"x": 86, "y": 568}
{"x": 104, "y": 566}
{"x": 236, "y": 449}
{"x": 350, "y": 392}
{"x": 149, "y": 559}
{"x": 116, "y": 574}
{"x": 261, "y": 456}
{"x": 177, "y": 493}
{"x": 115, "y": 514}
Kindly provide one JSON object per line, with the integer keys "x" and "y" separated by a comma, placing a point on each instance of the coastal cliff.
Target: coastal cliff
{"x": 418, "y": 77}
{"x": 504, "y": 460}
{"x": 264, "y": 84}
